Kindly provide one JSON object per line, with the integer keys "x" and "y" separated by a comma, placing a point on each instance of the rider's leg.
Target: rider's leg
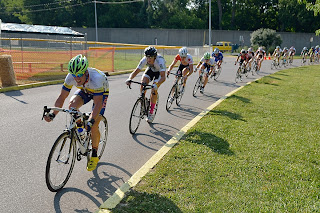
{"x": 95, "y": 136}
{"x": 185, "y": 73}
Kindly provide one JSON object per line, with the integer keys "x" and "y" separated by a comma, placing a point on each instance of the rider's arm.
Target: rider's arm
{"x": 172, "y": 65}
{"x": 162, "y": 79}
{"x": 191, "y": 69}
{"x": 134, "y": 73}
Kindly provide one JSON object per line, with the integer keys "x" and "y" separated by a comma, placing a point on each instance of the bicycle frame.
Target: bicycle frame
{"x": 75, "y": 116}
{"x": 145, "y": 87}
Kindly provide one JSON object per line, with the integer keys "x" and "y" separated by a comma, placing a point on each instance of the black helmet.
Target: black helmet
{"x": 150, "y": 51}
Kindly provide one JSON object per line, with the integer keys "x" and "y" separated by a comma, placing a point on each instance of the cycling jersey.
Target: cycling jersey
{"x": 158, "y": 66}
{"x": 260, "y": 53}
{"x": 277, "y": 52}
{"x": 243, "y": 57}
{"x": 188, "y": 59}
{"x": 292, "y": 51}
{"x": 96, "y": 84}
{"x": 218, "y": 57}
{"x": 210, "y": 61}
{"x": 250, "y": 55}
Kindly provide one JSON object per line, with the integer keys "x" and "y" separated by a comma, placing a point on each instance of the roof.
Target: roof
{"x": 12, "y": 27}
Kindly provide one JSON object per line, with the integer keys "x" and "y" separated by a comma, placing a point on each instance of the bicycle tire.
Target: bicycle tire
{"x": 68, "y": 145}
{"x": 171, "y": 97}
{"x": 238, "y": 75}
{"x": 217, "y": 73}
{"x": 273, "y": 65}
{"x": 103, "y": 128}
{"x": 136, "y": 115}
{"x": 246, "y": 72}
{"x": 196, "y": 86}
{"x": 179, "y": 94}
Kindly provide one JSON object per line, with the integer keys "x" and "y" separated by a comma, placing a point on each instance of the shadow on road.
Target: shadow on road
{"x": 185, "y": 111}
{"x": 103, "y": 182}
{"x": 14, "y": 94}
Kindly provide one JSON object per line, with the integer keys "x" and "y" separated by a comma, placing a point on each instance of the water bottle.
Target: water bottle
{"x": 81, "y": 133}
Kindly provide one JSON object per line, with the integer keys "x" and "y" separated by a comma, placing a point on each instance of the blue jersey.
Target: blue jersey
{"x": 218, "y": 57}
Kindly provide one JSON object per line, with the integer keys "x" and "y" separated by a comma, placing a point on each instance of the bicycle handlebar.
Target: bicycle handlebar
{"x": 47, "y": 110}
{"x": 146, "y": 86}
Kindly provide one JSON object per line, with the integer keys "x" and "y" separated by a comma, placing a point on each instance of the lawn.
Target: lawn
{"x": 256, "y": 152}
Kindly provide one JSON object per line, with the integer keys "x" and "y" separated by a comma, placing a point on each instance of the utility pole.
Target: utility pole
{"x": 96, "y": 19}
{"x": 210, "y": 27}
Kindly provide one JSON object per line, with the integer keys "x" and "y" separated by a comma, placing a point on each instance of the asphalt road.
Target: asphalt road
{"x": 26, "y": 141}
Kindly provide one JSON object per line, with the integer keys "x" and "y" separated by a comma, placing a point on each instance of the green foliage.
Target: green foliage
{"x": 281, "y": 15}
{"x": 266, "y": 38}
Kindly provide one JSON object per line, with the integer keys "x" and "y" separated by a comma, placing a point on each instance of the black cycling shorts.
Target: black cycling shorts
{"x": 152, "y": 75}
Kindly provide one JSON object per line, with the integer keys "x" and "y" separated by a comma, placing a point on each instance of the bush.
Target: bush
{"x": 266, "y": 38}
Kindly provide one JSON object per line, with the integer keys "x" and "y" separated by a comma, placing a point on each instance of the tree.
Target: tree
{"x": 265, "y": 37}
{"x": 314, "y": 6}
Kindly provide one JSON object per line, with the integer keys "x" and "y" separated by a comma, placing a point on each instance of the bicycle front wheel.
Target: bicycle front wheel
{"x": 60, "y": 162}
{"x": 171, "y": 96}
{"x": 238, "y": 75}
{"x": 136, "y": 116}
{"x": 196, "y": 86}
{"x": 103, "y": 129}
{"x": 180, "y": 93}
{"x": 218, "y": 71}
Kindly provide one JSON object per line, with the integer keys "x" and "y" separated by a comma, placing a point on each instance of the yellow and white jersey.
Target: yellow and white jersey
{"x": 96, "y": 84}
{"x": 211, "y": 61}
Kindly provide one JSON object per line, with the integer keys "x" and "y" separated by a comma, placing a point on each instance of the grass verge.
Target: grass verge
{"x": 256, "y": 152}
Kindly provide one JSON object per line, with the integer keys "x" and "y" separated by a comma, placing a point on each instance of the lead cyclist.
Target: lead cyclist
{"x": 93, "y": 85}
{"x": 155, "y": 72}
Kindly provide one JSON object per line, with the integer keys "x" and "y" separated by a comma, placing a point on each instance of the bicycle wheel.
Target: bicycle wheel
{"x": 136, "y": 116}
{"x": 60, "y": 162}
{"x": 179, "y": 93}
{"x": 171, "y": 97}
{"x": 273, "y": 66}
{"x": 218, "y": 71}
{"x": 246, "y": 72}
{"x": 103, "y": 128}
{"x": 238, "y": 75}
{"x": 196, "y": 86}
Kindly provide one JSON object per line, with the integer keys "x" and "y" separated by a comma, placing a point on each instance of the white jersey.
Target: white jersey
{"x": 211, "y": 62}
{"x": 97, "y": 83}
{"x": 158, "y": 66}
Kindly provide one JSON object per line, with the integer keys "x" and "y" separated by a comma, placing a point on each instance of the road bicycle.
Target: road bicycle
{"x": 216, "y": 72}
{"x": 71, "y": 145}
{"x": 274, "y": 64}
{"x": 240, "y": 71}
{"x": 199, "y": 83}
{"x": 284, "y": 62}
{"x": 303, "y": 60}
{"x": 176, "y": 91}
{"x": 141, "y": 108}
{"x": 254, "y": 69}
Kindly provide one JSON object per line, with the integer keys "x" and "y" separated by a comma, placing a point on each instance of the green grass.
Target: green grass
{"x": 258, "y": 151}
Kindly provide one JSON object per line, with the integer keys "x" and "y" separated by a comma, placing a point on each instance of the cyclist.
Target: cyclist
{"x": 244, "y": 58}
{"x": 317, "y": 52}
{"x": 250, "y": 57}
{"x": 155, "y": 72}
{"x": 311, "y": 53}
{"x": 260, "y": 54}
{"x": 93, "y": 85}
{"x": 186, "y": 65}
{"x": 218, "y": 57}
{"x": 285, "y": 54}
{"x": 277, "y": 53}
{"x": 206, "y": 65}
{"x": 292, "y": 52}
{"x": 304, "y": 52}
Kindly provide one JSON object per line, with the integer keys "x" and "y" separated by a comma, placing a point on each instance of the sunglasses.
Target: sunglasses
{"x": 78, "y": 75}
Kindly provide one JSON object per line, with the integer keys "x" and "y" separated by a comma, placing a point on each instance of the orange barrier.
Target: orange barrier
{"x": 29, "y": 63}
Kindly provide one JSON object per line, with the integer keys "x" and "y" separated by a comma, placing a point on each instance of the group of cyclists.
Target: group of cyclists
{"x": 93, "y": 84}
{"x": 313, "y": 54}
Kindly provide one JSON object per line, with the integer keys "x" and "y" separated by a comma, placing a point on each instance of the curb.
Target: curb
{"x": 119, "y": 194}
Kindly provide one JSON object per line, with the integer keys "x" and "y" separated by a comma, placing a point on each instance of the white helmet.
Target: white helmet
{"x": 183, "y": 52}
{"x": 216, "y": 51}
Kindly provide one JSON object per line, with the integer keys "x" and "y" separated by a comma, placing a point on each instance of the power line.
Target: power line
{"x": 118, "y": 2}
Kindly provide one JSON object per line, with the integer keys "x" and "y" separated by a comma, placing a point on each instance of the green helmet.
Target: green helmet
{"x": 78, "y": 65}
{"x": 206, "y": 55}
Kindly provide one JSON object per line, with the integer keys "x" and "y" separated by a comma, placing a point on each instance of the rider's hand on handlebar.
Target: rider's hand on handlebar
{"x": 196, "y": 69}
{"x": 49, "y": 117}
{"x": 128, "y": 81}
